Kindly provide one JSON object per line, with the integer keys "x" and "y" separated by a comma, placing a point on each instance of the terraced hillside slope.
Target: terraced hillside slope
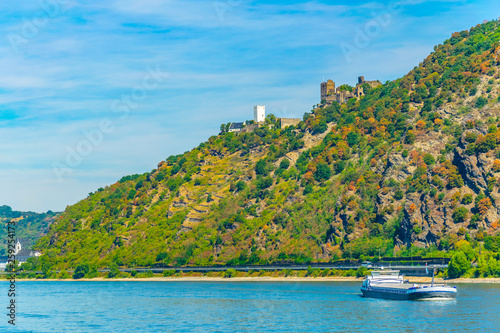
{"x": 414, "y": 165}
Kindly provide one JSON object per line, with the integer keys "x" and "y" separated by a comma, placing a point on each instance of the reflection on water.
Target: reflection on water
{"x": 243, "y": 307}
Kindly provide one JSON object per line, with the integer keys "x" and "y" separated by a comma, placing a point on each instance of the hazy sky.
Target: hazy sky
{"x": 91, "y": 91}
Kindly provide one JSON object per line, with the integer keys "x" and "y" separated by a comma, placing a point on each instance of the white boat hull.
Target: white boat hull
{"x": 411, "y": 294}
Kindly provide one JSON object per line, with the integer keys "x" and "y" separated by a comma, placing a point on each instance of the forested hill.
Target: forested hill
{"x": 415, "y": 162}
{"x": 29, "y": 226}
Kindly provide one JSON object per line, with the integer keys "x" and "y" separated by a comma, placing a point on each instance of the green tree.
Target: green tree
{"x": 284, "y": 164}
{"x": 81, "y": 271}
{"x": 308, "y": 189}
{"x": 229, "y": 273}
{"x": 460, "y": 214}
{"x": 458, "y": 265}
{"x": 481, "y": 101}
{"x": 261, "y": 167}
{"x": 323, "y": 172}
{"x": 240, "y": 186}
{"x": 114, "y": 270}
{"x": 429, "y": 159}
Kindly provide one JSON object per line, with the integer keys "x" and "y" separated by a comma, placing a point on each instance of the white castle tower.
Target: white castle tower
{"x": 259, "y": 113}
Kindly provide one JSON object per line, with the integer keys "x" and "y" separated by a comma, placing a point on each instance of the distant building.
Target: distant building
{"x": 21, "y": 255}
{"x": 327, "y": 89}
{"x": 236, "y": 127}
{"x": 259, "y": 113}
{"x": 330, "y": 94}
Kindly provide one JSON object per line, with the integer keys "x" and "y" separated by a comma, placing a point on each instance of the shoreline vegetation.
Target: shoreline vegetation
{"x": 416, "y": 279}
{"x": 230, "y": 275}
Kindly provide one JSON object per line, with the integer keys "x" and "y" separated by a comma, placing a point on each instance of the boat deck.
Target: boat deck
{"x": 402, "y": 286}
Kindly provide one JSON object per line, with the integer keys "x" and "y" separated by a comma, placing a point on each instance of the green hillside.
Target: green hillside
{"x": 411, "y": 166}
{"x": 29, "y": 226}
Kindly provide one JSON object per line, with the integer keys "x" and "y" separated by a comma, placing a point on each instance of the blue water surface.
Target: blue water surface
{"x": 174, "y": 306}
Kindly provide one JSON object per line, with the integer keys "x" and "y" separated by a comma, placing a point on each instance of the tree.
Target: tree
{"x": 458, "y": 265}
{"x": 308, "y": 189}
{"x": 410, "y": 137}
{"x": 454, "y": 178}
{"x": 460, "y": 214}
{"x": 240, "y": 186}
{"x": 481, "y": 101}
{"x": 81, "y": 271}
{"x": 429, "y": 159}
{"x": 261, "y": 167}
{"x": 352, "y": 138}
{"x": 114, "y": 270}
{"x": 323, "y": 172}
{"x": 320, "y": 127}
{"x": 284, "y": 164}
{"x": 229, "y": 273}
{"x": 496, "y": 166}
{"x": 483, "y": 205}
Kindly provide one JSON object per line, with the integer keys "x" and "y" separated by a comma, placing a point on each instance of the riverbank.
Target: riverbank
{"x": 416, "y": 279}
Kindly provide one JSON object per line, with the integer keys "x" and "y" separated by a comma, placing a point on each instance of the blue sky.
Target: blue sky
{"x": 91, "y": 91}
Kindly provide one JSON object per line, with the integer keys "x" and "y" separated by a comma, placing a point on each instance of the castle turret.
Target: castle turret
{"x": 327, "y": 88}
{"x": 259, "y": 113}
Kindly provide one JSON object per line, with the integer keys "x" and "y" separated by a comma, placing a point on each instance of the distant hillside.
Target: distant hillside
{"x": 29, "y": 226}
{"x": 411, "y": 167}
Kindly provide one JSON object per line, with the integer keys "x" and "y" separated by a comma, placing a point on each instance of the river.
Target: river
{"x": 175, "y": 306}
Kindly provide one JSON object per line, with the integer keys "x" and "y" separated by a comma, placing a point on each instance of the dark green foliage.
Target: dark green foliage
{"x": 352, "y": 138}
{"x": 492, "y": 243}
{"x": 460, "y": 214}
{"x": 410, "y": 137}
{"x": 308, "y": 189}
{"x": 261, "y": 167}
{"x": 398, "y": 195}
{"x": 467, "y": 199}
{"x": 429, "y": 159}
{"x": 30, "y": 226}
{"x": 323, "y": 172}
{"x": 81, "y": 271}
{"x": 320, "y": 127}
{"x": 240, "y": 186}
{"x": 481, "y": 101}
{"x": 458, "y": 265}
{"x": 114, "y": 270}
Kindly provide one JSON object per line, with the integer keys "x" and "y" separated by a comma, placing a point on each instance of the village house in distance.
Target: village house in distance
{"x": 330, "y": 94}
{"x": 259, "y": 117}
{"x": 21, "y": 255}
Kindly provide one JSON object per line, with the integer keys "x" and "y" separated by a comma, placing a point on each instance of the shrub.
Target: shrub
{"x": 398, "y": 195}
{"x": 429, "y": 159}
{"x": 308, "y": 189}
{"x": 114, "y": 270}
{"x": 481, "y": 101}
{"x": 229, "y": 273}
{"x": 361, "y": 272}
{"x": 460, "y": 214}
{"x": 322, "y": 172}
{"x": 168, "y": 272}
{"x": 458, "y": 265}
{"x": 64, "y": 275}
{"x": 467, "y": 199}
{"x": 81, "y": 271}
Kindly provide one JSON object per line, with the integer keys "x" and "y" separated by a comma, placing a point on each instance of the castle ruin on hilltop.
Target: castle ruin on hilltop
{"x": 330, "y": 94}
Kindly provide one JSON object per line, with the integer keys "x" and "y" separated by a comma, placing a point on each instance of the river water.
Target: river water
{"x": 175, "y": 306}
